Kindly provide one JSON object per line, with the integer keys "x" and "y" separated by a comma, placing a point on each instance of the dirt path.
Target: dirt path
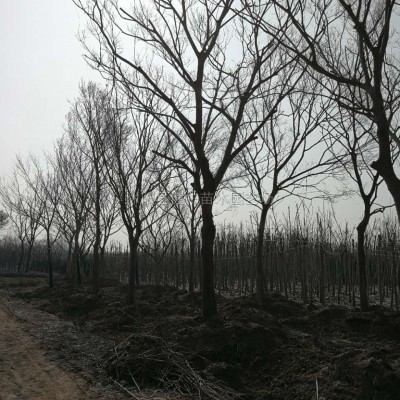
{"x": 26, "y": 374}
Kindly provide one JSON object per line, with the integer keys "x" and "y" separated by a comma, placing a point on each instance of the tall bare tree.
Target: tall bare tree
{"x": 42, "y": 181}
{"x": 205, "y": 66}
{"x": 291, "y": 159}
{"x": 352, "y": 132}
{"x": 355, "y": 45}
{"x": 158, "y": 239}
{"x": 25, "y": 210}
{"x": 76, "y": 176}
{"x": 133, "y": 177}
{"x": 92, "y": 114}
{"x": 183, "y": 203}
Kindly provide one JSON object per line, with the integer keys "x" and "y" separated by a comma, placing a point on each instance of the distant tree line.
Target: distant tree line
{"x": 274, "y": 99}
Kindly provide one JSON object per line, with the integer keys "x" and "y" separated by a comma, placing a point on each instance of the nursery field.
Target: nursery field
{"x": 96, "y": 346}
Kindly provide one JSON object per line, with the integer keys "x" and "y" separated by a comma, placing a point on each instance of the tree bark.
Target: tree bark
{"x": 97, "y": 242}
{"x": 102, "y": 260}
{"x": 321, "y": 273}
{"x": 21, "y": 257}
{"x": 69, "y": 260}
{"x": 49, "y": 261}
{"x": 28, "y": 258}
{"x": 386, "y": 171}
{"x": 384, "y": 164}
{"x": 133, "y": 248}
{"x": 75, "y": 275}
{"x": 362, "y": 268}
{"x": 207, "y": 257}
{"x": 191, "y": 266}
{"x": 260, "y": 282}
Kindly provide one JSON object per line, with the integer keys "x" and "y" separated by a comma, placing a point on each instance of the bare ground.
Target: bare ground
{"x": 27, "y": 373}
{"x": 272, "y": 352}
{"x": 43, "y": 357}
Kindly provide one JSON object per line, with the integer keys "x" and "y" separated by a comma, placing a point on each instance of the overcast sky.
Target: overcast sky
{"x": 40, "y": 70}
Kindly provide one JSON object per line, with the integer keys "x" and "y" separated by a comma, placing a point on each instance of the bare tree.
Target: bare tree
{"x": 92, "y": 114}
{"x": 157, "y": 240}
{"x": 133, "y": 177}
{"x": 354, "y": 45}
{"x": 76, "y": 176}
{"x": 110, "y": 219}
{"x": 200, "y": 92}
{"x": 19, "y": 226}
{"x": 25, "y": 210}
{"x": 353, "y": 133}
{"x": 183, "y": 203}
{"x": 3, "y": 219}
{"x": 291, "y": 159}
{"x": 43, "y": 183}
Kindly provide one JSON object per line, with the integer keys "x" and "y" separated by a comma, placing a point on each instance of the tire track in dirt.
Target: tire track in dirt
{"x": 26, "y": 374}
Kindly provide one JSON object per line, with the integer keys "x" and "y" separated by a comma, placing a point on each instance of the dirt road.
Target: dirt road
{"x": 26, "y": 373}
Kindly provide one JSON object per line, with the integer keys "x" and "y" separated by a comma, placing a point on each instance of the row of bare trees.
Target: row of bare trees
{"x": 307, "y": 256}
{"x": 280, "y": 97}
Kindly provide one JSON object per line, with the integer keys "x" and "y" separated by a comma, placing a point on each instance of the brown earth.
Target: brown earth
{"x": 26, "y": 372}
{"x": 280, "y": 350}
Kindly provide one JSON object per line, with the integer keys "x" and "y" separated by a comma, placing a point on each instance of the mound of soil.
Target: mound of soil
{"x": 278, "y": 350}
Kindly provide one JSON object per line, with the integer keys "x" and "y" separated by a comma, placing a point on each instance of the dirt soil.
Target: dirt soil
{"x": 91, "y": 346}
{"x": 26, "y": 373}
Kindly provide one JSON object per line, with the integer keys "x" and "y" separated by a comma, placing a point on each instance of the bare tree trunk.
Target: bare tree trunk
{"x": 207, "y": 247}
{"x": 28, "y": 262}
{"x": 191, "y": 265}
{"x": 27, "y": 266}
{"x": 102, "y": 261}
{"x": 21, "y": 257}
{"x": 362, "y": 270}
{"x": 393, "y": 184}
{"x": 69, "y": 260}
{"x": 49, "y": 261}
{"x": 260, "y": 282}
{"x": 321, "y": 273}
{"x": 96, "y": 246}
{"x": 75, "y": 275}
{"x": 384, "y": 164}
{"x": 133, "y": 249}
{"x": 96, "y": 269}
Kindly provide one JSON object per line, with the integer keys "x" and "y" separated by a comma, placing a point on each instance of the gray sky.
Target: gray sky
{"x": 41, "y": 68}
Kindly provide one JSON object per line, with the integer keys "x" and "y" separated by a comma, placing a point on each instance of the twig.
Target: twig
{"x": 134, "y": 380}
{"x": 125, "y": 390}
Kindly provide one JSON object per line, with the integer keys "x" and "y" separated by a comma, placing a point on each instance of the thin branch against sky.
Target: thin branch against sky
{"x": 41, "y": 70}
